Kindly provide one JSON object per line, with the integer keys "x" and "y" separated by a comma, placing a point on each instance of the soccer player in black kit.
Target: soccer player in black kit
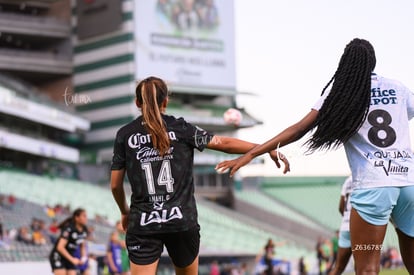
{"x": 156, "y": 151}
{"x": 73, "y": 234}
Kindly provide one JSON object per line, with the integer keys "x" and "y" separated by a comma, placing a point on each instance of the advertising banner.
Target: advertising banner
{"x": 186, "y": 42}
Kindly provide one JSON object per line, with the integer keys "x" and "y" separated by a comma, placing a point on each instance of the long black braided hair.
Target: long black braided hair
{"x": 346, "y": 107}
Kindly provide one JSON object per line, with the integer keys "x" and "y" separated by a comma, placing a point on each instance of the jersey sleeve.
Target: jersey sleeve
{"x": 66, "y": 232}
{"x": 119, "y": 155}
{"x": 318, "y": 105}
{"x": 197, "y": 137}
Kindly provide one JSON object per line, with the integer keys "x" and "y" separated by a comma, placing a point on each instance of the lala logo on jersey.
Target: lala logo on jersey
{"x": 158, "y": 205}
{"x": 161, "y": 216}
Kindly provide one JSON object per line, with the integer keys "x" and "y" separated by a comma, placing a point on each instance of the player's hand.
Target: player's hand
{"x": 234, "y": 164}
{"x": 84, "y": 259}
{"x": 76, "y": 261}
{"x": 276, "y": 156}
{"x": 124, "y": 221}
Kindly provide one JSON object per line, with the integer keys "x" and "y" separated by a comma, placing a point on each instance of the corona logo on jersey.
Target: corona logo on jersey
{"x": 161, "y": 216}
{"x": 138, "y": 139}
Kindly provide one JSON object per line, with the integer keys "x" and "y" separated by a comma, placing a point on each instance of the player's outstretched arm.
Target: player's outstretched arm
{"x": 289, "y": 135}
{"x": 117, "y": 187}
{"x": 236, "y": 146}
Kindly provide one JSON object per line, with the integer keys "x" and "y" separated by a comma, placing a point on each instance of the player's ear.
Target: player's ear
{"x": 164, "y": 103}
{"x": 139, "y": 105}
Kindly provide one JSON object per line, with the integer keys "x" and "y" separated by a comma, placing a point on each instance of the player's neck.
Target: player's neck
{"x": 79, "y": 227}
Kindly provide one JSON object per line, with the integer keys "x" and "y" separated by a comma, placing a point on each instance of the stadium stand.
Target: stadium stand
{"x": 266, "y": 203}
{"x": 223, "y": 230}
{"x": 232, "y": 232}
{"x": 21, "y": 214}
{"x": 316, "y": 198}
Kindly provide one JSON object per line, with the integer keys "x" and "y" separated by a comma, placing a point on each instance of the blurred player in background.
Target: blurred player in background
{"x": 344, "y": 241}
{"x": 113, "y": 254}
{"x": 369, "y": 115}
{"x": 73, "y": 234}
{"x": 124, "y": 251}
{"x": 156, "y": 151}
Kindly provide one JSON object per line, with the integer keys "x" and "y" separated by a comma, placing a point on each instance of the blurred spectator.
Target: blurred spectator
{"x": 12, "y": 234}
{"x": 324, "y": 252}
{"x": 34, "y": 225}
{"x": 269, "y": 251}
{"x": 302, "y": 266}
{"x": 243, "y": 269}
{"x": 214, "y": 268}
{"x": 7, "y": 202}
{"x": 38, "y": 238}
{"x": 5, "y": 242}
{"x": 395, "y": 258}
{"x": 11, "y": 200}
{"x": 24, "y": 235}
{"x": 2, "y": 200}
{"x": 39, "y": 232}
{"x": 50, "y": 212}
{"x": 58, "y": 209}
{"x": 327, "y": 252}
{"x": 67, "y": 210}
{"x": 334, "y": 252}
{"x": 53, "y": 232}
{"x": 1, "y": 228}
{"x": 391, "y": 258}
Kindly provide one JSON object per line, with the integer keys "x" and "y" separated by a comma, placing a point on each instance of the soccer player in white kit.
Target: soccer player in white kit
{"x": 368, "y": 115}
{"x": 344, "y": 242}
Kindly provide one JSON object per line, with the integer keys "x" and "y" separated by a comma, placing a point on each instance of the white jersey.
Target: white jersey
{"x": 379, "y": 154}
{"x": 346, "y": 192}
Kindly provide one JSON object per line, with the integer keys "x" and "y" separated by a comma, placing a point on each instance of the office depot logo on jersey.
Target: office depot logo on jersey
{"x": 383, "y": 97}
{"x": 138, "y": 139}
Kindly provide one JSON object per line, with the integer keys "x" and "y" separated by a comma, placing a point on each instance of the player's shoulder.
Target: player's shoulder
{"x": 390, "y": 82}
{"x": 176, "y": 123}
{"x": 130, "y": 127}
{"x": 68, "y": 229}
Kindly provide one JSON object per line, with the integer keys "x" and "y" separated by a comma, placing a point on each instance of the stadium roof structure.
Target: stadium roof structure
{"x": 22, "y": 100}
{"x": 19, "y": 99}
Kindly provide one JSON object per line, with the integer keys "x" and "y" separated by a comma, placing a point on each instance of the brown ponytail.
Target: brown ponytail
{"x": 151, "y": 92}
{"x": 71, "y": 219}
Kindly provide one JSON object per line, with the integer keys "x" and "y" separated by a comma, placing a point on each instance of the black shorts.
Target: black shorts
{"x": 57, "y": 261}
{"x": 182, "y": 247}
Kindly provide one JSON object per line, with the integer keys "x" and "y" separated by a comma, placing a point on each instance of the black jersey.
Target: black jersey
{"x": 162, "y": 186}
{"x": 74, "y": 237}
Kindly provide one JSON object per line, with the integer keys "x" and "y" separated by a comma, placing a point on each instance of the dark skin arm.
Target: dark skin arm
{"x": 287, "y": 136}
{"x": 218, "y": 143}
{"x": 236, "y": 146}
{"x": 342, "y": 205}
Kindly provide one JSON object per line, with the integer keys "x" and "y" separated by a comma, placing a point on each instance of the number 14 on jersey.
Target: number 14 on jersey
{"x": 164, "y": 177}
